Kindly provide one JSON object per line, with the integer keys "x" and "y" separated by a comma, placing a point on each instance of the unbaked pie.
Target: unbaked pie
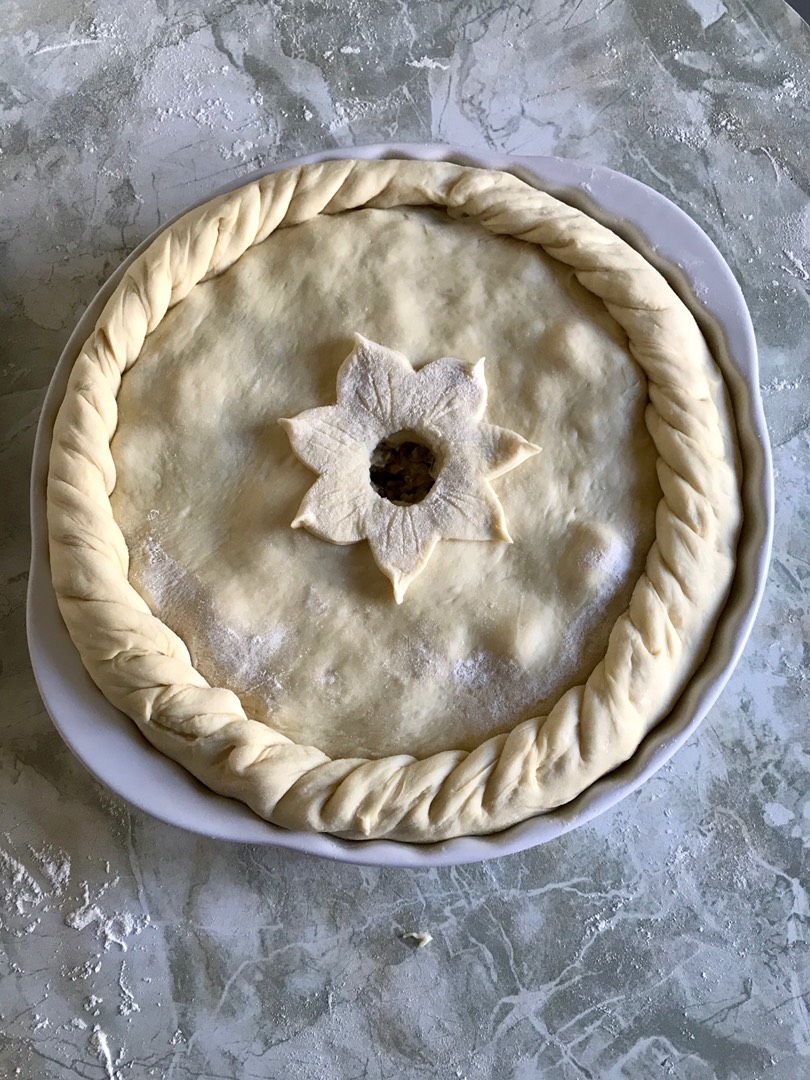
{"x": 346, "y": 572}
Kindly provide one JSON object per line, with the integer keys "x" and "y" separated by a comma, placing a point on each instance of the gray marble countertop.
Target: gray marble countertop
{"x": 666, "y": 939}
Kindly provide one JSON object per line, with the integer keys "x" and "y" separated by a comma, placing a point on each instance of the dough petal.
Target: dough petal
{"x": 335, "y": 509}
{"x": 502, "y": 449}
{"x": 449, "y": 396}
{"x": 322, "y": 436}
{"x": 471, "y": 512}
{"x": 402, "y": 539}
{"x": 371, "y": 382}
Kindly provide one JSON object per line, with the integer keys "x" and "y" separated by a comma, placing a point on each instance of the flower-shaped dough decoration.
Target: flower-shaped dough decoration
{"x": 380, "y": 397}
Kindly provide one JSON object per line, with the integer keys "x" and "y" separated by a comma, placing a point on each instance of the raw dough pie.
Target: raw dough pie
{"x": 274, "y": 662}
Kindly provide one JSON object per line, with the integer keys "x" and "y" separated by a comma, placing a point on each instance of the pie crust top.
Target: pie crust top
{"x": 359, "y": 659}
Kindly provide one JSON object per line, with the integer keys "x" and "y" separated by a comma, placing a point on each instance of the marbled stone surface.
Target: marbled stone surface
{"x": 668, "y": 938}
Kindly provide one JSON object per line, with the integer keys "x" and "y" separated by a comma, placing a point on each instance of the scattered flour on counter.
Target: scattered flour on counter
{"x": 96, "y": 34}
{"x": 349, "y": 112}
{"x": 242, "y": 150}
{"x": 37, "y": 887}
{"x": 128, "y": 1004}
{"x": 779, "y": 386}
{"x": 55, "y": 865}
{"x": 428, "y": 63}
{"x": 697, "y": 138}
{"x": 84, "y": 970}
{"x": 26, "y": 897}
{"x": 100, "y": 1043}
{"x": 769, "y": 154}
{"x": 193, "y": 96}
{"x": 110, "y": 929}
{"x": 21, "y": 892}
{"x": 797, "y": 268}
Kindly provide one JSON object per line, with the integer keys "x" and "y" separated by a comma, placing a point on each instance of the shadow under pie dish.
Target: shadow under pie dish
{"x": 275, "y": 663}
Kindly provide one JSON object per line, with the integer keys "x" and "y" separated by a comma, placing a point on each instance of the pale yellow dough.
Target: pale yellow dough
{"x": 487, "y": 635}
{"x": 512, "y": 676}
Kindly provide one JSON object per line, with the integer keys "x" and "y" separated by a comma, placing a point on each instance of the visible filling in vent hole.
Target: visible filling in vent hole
{"x": 402, "y": 468}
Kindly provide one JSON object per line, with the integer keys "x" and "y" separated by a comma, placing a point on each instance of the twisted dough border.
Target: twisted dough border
{"x": 654, "y": 647}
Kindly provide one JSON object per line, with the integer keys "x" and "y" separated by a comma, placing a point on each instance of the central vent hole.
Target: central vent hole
{"x": 402, "y": 468}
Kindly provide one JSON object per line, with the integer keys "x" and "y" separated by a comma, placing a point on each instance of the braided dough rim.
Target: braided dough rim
{"x": 143, "y": 668}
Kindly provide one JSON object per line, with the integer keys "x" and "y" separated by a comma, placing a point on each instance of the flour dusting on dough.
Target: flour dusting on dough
{"x": 485, "y": 690}
{"x": 253, "y": 661}
{"x": 612, "y": 564}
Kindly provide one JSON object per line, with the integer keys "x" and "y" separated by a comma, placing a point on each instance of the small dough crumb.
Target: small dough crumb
{"x": 417, "y": 939}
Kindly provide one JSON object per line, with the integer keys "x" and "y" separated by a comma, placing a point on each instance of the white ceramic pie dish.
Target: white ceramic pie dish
{"x": 114, "y": 751}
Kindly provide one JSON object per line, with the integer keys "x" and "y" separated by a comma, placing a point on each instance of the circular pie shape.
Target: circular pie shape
{"x": 653, "y": 649}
